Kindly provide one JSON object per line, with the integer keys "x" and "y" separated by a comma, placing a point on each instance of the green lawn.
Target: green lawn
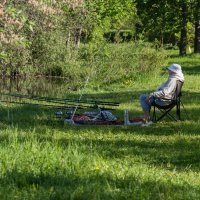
{"x": 41, "y": 158}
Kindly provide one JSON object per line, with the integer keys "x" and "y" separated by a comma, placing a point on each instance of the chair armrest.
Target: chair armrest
{"x": 154, "y": 98}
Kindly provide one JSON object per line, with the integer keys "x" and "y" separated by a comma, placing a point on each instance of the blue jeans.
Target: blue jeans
{"x": 144, "y": 104}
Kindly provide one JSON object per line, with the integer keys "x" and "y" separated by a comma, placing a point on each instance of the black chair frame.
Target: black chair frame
{"x": 165, "y": 110}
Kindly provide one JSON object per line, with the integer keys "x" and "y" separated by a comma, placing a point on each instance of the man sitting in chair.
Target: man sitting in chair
{"x": 166, "y": 91}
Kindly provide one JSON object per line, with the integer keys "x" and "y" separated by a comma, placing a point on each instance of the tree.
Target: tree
{"x": 165, "y": 20}
{"x": 197, "y": 26}
{"x": 183, "y": 39}
{"x": 110, "y": 15}
{"x": 159, "y": 20}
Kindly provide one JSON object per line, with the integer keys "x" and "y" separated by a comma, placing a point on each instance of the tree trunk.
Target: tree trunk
{"x": 197, "y": 28}
{"x": 183, "y": 39}
{"x": 77, "y": 38}
{"x": 161, "y": 39}
{"x": 197, "y": 37}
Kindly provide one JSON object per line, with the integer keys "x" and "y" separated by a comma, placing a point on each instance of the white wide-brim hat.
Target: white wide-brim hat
{"x": 176, "y": 68}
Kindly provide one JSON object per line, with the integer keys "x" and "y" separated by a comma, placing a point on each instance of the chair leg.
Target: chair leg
{"x": 154, "y": 114}
{"x": 178, "y": 111}
{"x": 166, "y": 113}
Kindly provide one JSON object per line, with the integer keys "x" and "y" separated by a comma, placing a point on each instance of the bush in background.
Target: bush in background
{"x": 111, "y": 63}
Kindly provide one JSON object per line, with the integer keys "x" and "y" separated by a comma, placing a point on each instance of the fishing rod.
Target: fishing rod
{"x": 34, "y": 104}
{"x": 62, "y": 100}
{"x": 27, "y": 97}
{"x": 55, "y": 106}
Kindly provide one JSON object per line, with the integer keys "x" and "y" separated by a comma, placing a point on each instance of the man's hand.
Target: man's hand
{"x": 149, "y": 99}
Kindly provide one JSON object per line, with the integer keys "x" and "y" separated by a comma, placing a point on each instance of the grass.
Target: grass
{"x": 41, "y": 158}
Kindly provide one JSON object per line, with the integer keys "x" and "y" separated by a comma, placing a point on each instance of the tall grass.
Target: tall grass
{"x": 41, "y": 158}
{"x": 108, "y": 64}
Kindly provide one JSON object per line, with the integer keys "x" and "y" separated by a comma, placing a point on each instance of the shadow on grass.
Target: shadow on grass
{"x": 94, "y": 186}
{"x": 173, "y": 147}
{"x": 195, "y": 70}
{"x": 170, "y": 147}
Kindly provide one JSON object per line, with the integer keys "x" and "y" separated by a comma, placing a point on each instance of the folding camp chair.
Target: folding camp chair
{"x": 175, "y": 102}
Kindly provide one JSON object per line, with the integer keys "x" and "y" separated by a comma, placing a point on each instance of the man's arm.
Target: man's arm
{"x": 167, "y": 90}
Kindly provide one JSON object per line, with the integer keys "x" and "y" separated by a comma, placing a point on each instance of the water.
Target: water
{"x": 54, "y": 92}
{"x": 37, "y": 86}
{"x": 39, "y": 91}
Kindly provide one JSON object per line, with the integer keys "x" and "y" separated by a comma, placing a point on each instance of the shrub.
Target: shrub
{"x": 111, "y": 63}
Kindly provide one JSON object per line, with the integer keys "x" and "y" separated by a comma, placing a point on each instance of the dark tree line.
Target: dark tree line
{"x": 168, "y": 21}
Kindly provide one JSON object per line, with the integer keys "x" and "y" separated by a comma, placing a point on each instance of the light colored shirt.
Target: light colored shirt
{"x": 166, "y": 90}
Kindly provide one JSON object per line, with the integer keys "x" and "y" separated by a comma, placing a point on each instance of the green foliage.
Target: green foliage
{"x": 15, "y": 52}
{"x": 190, "y": 34}
{"x": 119, "y": 36}
{"x": 111, "y": 63}
{"x": 111, "y": 14}
{"x": 3, "y": 56}
{"x": 49, "y": 53}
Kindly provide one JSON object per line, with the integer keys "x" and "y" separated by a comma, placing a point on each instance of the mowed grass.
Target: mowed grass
{"x": 43, "y": 158}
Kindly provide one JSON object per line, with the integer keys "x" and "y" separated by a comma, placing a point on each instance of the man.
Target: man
{"x": 166, "y": 91}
